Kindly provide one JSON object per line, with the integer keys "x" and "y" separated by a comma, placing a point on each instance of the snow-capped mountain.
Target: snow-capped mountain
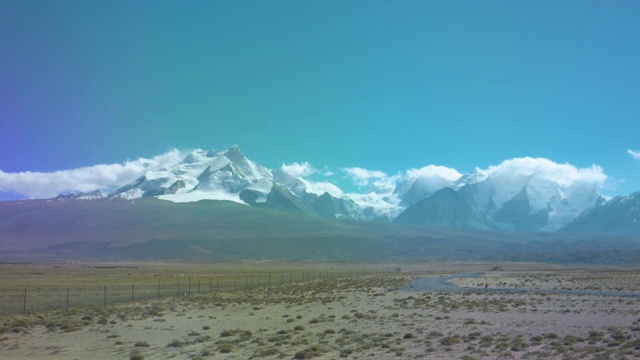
{"x": 204, "y": 175}
{"x": 620, "y": 215}
{"x": 529, "y": 198}
{"x": 527, "y": 201}
{"x": 230, "y": 175}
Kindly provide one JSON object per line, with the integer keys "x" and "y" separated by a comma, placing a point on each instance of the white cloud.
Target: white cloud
{"x": 362, "y": 177}
{"x": 384, "y": 185}
{"x": 331, "y": 188}
{"x": 36, "y": 185}
{"x": 429, "y": 179}
{"x": 563, "y": 174}
{"x": 297, "y": 169}
{"x": 634, "y": 154}
{"x": 434, "y": 172}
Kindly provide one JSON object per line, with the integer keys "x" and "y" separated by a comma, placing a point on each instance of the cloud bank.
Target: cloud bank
{"x": 104, "y": 177}
{"x": 297, "y": 169}
{"x": 363, "y": 177}
{"x": 634, "y": 154}
{"x": 426, "y": 180}
{"x": 431, "y": 178}
{"x": 302, "y": 170}
{"x": 563, "y": 174}
{"x": 331, "y": 188}
{"x": 510, "y": 174}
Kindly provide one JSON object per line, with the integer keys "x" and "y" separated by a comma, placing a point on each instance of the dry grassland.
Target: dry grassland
{"x": 374, "y": 316}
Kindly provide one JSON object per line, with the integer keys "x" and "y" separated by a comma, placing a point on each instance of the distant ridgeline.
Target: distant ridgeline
{"x": 522, "y": 203}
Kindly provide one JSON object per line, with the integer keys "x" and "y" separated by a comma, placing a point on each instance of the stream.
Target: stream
{"x": 444, "y": 284}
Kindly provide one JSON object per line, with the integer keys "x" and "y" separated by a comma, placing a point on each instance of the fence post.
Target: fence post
{"x": 178, "y": 288}
{"x": 235, "y": 284}
{"x": 210, "y": 287}
{"x": 67, "y": 299}
{"x": 24, "y": 303}
{"x": 198, "y": 286}
{"x": 189, "y": 288}
{"x": 105, "y": 295}
{"x": 269, "y": 283}
{"x": 132, "y": 292}
{"x": 158, "y": 288}
{"x": 217, "y": 285}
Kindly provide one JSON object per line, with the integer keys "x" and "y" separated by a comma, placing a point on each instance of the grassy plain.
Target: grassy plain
{"x": 365, "y": 312}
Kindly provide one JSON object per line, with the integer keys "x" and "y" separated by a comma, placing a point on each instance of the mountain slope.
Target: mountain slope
{"x": 525, "y": 194}
{"x": 150, "y": 229}
{"x": 518, "y": 214}
{"x": 446, "y": 207}
{"x": 525, "y": 202}
{"x": 203, "y": 175}
{"x": 230, "y": 175}
{"x": 620, "y": 215}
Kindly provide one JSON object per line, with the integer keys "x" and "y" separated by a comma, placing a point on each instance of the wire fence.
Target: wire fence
{"x": 30, "y": 300}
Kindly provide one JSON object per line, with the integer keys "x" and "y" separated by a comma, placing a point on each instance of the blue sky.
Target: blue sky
{"x": 381, "y": 85}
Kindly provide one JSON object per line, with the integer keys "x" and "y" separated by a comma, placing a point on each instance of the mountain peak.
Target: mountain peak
{"x": 234, "y": 151}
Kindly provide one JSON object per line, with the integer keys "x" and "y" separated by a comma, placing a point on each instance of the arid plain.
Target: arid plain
{"x": 250, "y": 310}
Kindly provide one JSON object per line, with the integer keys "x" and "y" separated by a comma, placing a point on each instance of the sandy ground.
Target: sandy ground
{"x": 366, "y": 318}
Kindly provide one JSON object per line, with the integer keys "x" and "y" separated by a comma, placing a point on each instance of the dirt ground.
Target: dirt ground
{"x": 373, "y": 316}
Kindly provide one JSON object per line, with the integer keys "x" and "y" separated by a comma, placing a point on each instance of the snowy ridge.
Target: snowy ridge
{"x": 205, "y": 175}
{"x": 530, "y": 194}
{"x": 525, "y": 194}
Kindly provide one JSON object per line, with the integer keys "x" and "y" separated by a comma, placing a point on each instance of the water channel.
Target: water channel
{"x": 444, "y": 284}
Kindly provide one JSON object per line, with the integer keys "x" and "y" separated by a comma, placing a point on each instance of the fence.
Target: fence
{"x": 121, "y": 290}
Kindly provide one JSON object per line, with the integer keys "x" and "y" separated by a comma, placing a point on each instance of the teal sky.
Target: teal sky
{"x": 382, "y": 85}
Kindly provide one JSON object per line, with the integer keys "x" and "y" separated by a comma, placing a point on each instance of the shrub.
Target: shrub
{"x": 303, "y": 355}
{"x": 486, "y": 341}
{"x": 312, "y": 351}
{"x": 176, "y": 343}
{"x": 203, "y": 338}
{"x": 136, "y": 356}
{"x": 226, "y": 333}
{"x": 266, "y": 352}
{"x": 449, "y": 340}
{"x": 225, "y": 348}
